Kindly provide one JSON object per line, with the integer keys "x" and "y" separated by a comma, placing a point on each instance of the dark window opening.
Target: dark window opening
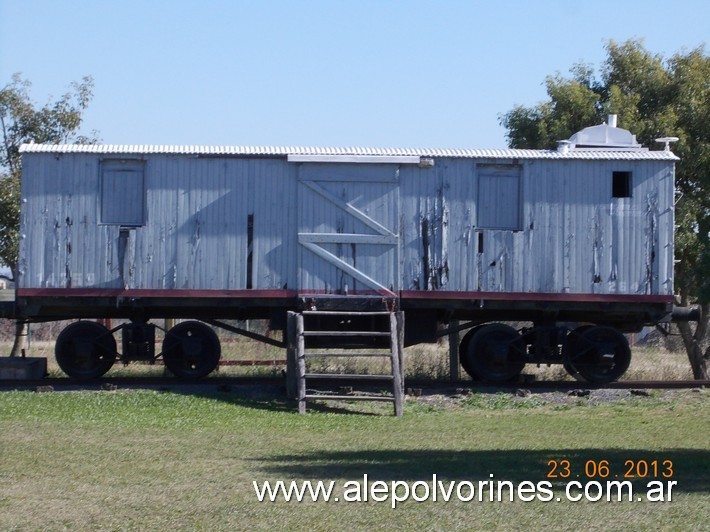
{"x": 621, "y": 184}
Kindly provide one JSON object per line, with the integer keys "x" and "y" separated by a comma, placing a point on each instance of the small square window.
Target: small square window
{"x": 122, "y": 193}
{"x": 621, "y": 184}
{"x": 499, "y": 198}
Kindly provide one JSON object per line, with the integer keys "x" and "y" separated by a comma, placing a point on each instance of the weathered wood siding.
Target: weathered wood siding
{"x": 195, "y": 236}
{"x": 228, "y": 223}
{"x": 574, "y": 236}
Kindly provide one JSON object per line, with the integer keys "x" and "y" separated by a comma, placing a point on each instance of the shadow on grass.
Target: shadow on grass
{"x": 268, "y": 396}
{"x": 270, "y": 401}
{"x": 274, "y": 401}
{"x": 690, "y": 467}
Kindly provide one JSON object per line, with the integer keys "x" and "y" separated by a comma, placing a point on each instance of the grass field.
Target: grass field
{"x": 157, "y": 460}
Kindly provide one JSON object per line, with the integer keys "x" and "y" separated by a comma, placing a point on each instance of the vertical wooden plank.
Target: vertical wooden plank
{"x": 301, "y": 363}
{"x": 454, "y": 374}
{"x": 291, "y": 356}
{"x": 400, "y": 347}
{"x": 396, "y": 337}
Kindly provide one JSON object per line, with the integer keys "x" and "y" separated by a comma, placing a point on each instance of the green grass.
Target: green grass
{"x": 140, "y": 460}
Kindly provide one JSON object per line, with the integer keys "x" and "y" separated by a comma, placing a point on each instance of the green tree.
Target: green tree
{"x": 653, "y": 97}
{"x": 22, "y": 122}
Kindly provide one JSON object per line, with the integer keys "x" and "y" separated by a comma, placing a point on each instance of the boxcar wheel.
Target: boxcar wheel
{"x": 494, "y": 353}
{"x": 191, "y": 350}
{"x": 463, "y": 350}
{"x": 573, "y": 344}
{"x": 85, "y": 350}
{"x": 597, "y": 354}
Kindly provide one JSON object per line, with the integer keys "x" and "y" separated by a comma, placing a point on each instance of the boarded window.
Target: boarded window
{"x": 621, "y": 184}
{"x": 498, "y": 203}
{"x": 122, "y": 193}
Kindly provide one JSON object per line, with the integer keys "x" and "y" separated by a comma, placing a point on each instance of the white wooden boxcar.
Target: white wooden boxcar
{"x": 583, "y": 233}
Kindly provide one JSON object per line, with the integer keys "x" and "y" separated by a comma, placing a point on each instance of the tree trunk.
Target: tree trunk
{"x": 22, "y": 330}
{"x": 694, "y": 340}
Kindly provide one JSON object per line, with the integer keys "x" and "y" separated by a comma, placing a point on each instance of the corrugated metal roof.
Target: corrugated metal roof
{"x": 235, "y": 151}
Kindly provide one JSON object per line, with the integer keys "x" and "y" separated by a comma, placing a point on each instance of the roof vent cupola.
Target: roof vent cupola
{"x": 605, "y": 137}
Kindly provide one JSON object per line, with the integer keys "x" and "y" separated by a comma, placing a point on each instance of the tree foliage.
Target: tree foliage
{"x": 653, "y": 97}
{"x": 21, "y": 121}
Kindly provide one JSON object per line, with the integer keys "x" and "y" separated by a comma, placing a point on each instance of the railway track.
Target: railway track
{"x": 416, "y": 385}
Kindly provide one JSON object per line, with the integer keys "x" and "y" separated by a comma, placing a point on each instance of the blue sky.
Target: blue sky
{"x": 320, "y": 73}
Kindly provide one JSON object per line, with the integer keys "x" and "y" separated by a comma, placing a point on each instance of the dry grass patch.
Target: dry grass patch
{"x": 425, "y": 361}
{"x": 431, "y": 361}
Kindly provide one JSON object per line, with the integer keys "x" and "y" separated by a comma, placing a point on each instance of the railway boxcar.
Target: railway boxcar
{"x": 576, "y": 241}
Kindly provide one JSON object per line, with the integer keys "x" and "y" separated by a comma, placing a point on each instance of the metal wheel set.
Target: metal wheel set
{"x": 493, "y": 352}
{"x": 87, "y": 349}
{"x": 498, "y": 353}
